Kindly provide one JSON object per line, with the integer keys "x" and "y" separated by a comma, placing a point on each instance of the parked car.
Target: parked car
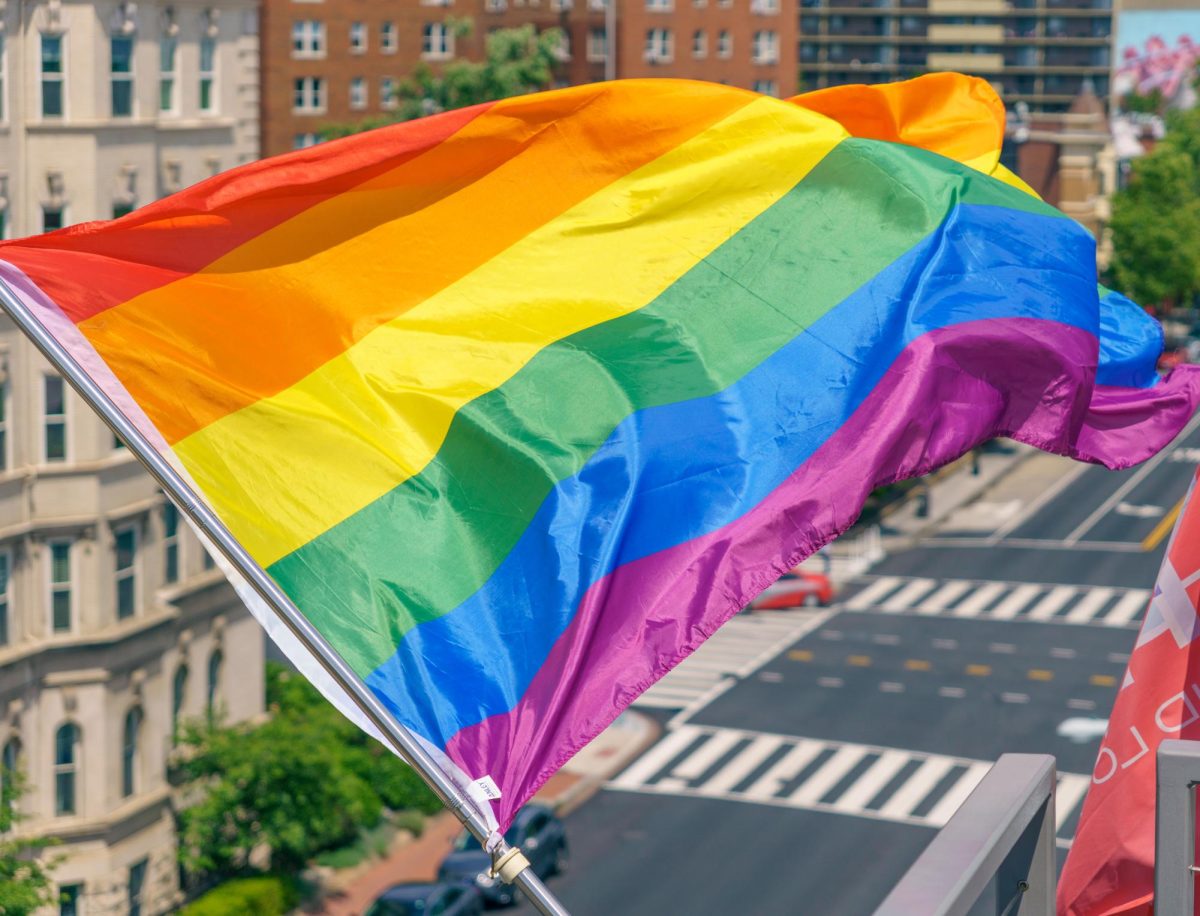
{"x": 539, "y": 834}
{"x": 427, "y": 900}
{"x": 795, "y": 589}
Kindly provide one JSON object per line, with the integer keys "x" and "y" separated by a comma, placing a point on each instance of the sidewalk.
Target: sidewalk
{"x": 578, "y": 780}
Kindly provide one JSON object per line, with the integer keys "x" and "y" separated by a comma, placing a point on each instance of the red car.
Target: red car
{"x": 795, "y": 589}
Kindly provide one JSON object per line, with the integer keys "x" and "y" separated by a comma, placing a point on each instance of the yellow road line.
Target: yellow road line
{"x": 801, "y": 655}
{"x": 1162, "y": 529}
{"x": 979, "y": 670}
{"x": 1040, "y": 674}
{"x": 1102, "y": 680}
{"x": 917, "y": 664}
{"x": 859, "y": 661}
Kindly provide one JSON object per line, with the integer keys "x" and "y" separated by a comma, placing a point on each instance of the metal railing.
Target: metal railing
{"x": 996, "y": 855}
{"x": 1175, "y": 827}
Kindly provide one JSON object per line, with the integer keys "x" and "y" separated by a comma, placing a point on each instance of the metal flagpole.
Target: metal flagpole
{"x": 507, "y": 861}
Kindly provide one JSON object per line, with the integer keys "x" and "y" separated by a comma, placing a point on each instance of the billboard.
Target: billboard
{"x": 1158, "y": 50}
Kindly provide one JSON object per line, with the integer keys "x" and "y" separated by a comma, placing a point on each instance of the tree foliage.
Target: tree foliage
{"x": 517, "y": 61}
{"x": 1156, "y": 220}
{"x": 304, "y": 781}
{"x": 25, "y": 884}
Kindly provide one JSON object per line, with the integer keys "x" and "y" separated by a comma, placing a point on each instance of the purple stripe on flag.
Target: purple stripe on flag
{"x": 948, "y": 391}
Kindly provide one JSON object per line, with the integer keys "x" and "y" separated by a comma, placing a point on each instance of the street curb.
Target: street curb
{"x": 575, "y": 796}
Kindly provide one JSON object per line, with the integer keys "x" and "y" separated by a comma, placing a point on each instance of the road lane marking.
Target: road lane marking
{"x": 1054, "y": 602}
{"x": 1063, "y": 653}
{"x": 885, "y": 639}
{"x": 1137, "y": 477}
{"x": 659, "y": 756}
{"x": 1002, "y": 648}
{"x": 830, "y": 682}
{"x": 1070, "y": 792}
{"x": 1014, "y": 697}
{"x": 828, "y": 775}
{"x": 917, "y": 787}
{"x": 1102, "y": 680}
{"x": 954, "y": 693}
{"x": 1118, "y": 658}
{"x": 957, "y": 794}
{"x": 873, "y": 592}
{"x": 1081, "y": 704}
{"x": 917, "y": 664}
{"x": 976, "y": 602}
{"x": 859, "y": 661}
{"x": 696, "y": 765}
{"x": 1040, "y": 674}
{"x": 738, "y": 769}
{"x": 907, "y": 596}
{"x": 891, "y": 687}
{"x": 948, "y": 644}
{"x": 979, "y": 670}
{"x": 801, "y": 655}
{"x": 949, "y": 592}
{"x": 1012, "y": 605}
{"x": 1034, "y": 507}
{"x": 831, "y": 634}
{"x": 785, "y": 769}
{"x": 1127, "y": 608}
{"x": 872, "y": 781}
{"x": 1163, "y": 528}
{"x": 1092, "y": 601}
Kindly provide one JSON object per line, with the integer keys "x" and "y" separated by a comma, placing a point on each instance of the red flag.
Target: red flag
{"x": 1110, "y": 868}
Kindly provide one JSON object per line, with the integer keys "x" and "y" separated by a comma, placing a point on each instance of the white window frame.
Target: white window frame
{"x": 120, "y": 573}
{"x": 387, "y": 93}
{"x": 766, "y": 87}
{"x": 437, "y": 41}
{"x": 660, "y": 6}
{"x": 172, "y": 540}
{"x": 725, "y": 44}
{"x": 6, "y": 602}
{"x": 360, "y": 37}
{"x": 495, "y": 6}
{"x": 764, "y": 7}
{"x": 305, "y": 140}
{"x": 660, "y": 45}
{"x": 209, "y": 76}
{"x": 597, "y": 44}
{"x": 51, "y": 585}
{"x": 358, "y": 93}
{"x": 765, "y": 47}
{"x": 699, "y": 44}
{"x": 308, "y": 39}
{"x": 62, "y": 419}
{"x": 308, "y": 95}
{"x": 60, "y": 77}
{"x": 389, "y": 37}
{"x": 168, "y": 76}
{"x": 115, "y": 77}
{"x": 3, "y": 79}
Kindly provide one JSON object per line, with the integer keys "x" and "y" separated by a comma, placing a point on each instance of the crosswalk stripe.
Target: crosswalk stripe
{"x": 908, "y": 596}
{"x": 871, "y": 783}
{"x": 976, "y": 602}
{"x": 873, "y": 592}
{"x": 828, "y": 775}
{"x": 957, "y": 793}
{"x": 1125, "y": 610}
{"x": 697, "y": 764}
{"x": 1086, "y": 609}
{"x": 785, "y": 769}
{"x": 905, "y": 799}
{"x": 1070, "y": 792}
{"x": 659, "y": 756}
{"x": 943, "y": 597}
{"x": 1012, "y": 604}
{"x": 745, "y": 763}
{"x": 1052, "y": 603}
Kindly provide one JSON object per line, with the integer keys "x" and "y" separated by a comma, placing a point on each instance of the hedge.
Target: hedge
{"x": 268, "y": 895}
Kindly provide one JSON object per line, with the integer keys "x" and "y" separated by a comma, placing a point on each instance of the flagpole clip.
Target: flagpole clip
{"x": 509, "y": 865}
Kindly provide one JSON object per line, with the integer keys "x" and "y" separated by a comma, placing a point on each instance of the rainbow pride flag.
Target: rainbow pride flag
{"x": 520, "y": 403}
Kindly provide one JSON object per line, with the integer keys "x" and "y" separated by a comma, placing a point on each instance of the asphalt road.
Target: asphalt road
{"x": 812, "y": 783}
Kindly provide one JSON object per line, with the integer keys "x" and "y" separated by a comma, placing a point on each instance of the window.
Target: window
{"x": 121, "y": 73}
{"x": 60, "y": 586}
{"x": 5, "y": 579}
{"x": 52, "y": 218}
{"x": 137, "y": 882}
{"x": 3, "y": 425}
{"x": 387, "y": 93}
{"x": 495, "y": 6}
{"x": 764, "y": 7}
{"x": 170, "y": 543}
{"x": 724, "y": 44}
{"x": 358, "y": 38}
{"x": 9, "y": 764}
{"x": 658, "y": 45}
{"x": 597, "y": 44}
{"x": 767, "y": 87}
{"x": 119, "y": 210}
{"x": 766, "y": 47}
{"x": 2, "y": 80}
{"x": 437, "y": 40}
{"x": 660, "y": 6}
{"x": 308, "y": 94}
{"x": 308, "y": 38}
{"x": 55, "y": 404}
{"x": 387, "y": 38}
{"x": 358, "y": 93}
{"x": 178, "y": 697}
{"x": 304, "y": 141}
{"x": 208, "y": 54}
{"x": 52, "y": 76}
{"x": 699, "y": 43}
{"x": 215, "y": 662}
{"x": 208, "y": 561}
{"x": 68, "y": 899}
{"x": 126, "y": 549}
{"x": 66, "y": 748}
{"x": 129, "y": 751}
{"x": 167, "y": 47}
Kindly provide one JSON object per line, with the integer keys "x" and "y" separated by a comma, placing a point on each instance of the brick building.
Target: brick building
{"x": 329, "y": 61}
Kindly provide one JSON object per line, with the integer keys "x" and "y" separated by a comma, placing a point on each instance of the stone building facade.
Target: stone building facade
{"x": 105, "y": 106}
{"x": 114, "y": 626}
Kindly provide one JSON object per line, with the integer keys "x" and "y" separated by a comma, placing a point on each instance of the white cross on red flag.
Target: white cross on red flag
{"x": 1110, "y": 868}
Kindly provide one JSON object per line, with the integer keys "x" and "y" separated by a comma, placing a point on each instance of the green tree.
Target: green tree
{"x": 1156, "y": 219}
{"x": 517, "y": 61}
{"x": 25, "y": 884}
{"x": 305, "y": 781}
